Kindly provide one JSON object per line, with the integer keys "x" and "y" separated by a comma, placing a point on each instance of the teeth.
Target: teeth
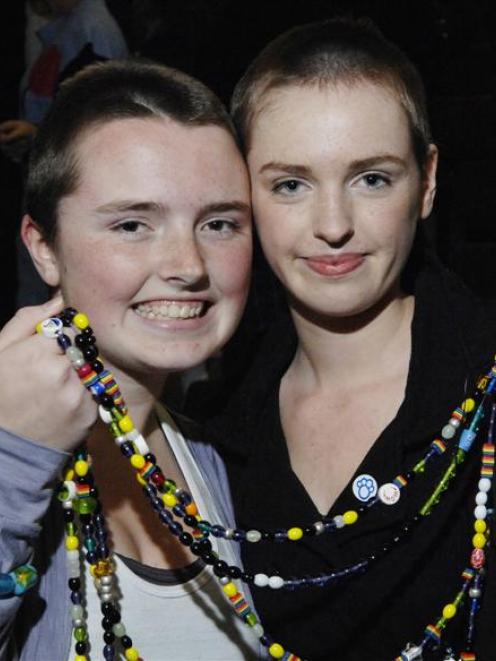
{"x": 169, "y": 310}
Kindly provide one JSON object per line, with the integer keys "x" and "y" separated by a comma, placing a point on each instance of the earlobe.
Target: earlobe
{"x": 41, "y": 252}
{"x": 429, "y": 181}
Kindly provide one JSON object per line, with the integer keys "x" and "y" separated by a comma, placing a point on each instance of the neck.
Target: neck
{"x": 342, "y": 352}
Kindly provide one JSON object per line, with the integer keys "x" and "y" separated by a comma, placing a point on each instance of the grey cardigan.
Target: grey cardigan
{"x": 38, "y": 624}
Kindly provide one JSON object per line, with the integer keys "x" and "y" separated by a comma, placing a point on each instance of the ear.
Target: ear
{"x": 429, "y": 181}
{"x": 41, "y": 252}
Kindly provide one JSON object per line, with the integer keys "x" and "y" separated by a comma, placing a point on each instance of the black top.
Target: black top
{"x": 374, "y": 615}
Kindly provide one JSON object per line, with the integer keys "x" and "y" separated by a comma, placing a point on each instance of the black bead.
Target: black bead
{"x": 94, "y": 492}
{"x": 88, "y": 332}
{"x": 68, "y": 516}
{"x": 191, "y": 521}
{"x": 74, "y": 584}
{"x": 107, "y": 623}
{"x": 108, "y": 637}
{"x": 126, "y": 642}
{"x": 205, "y": 544}
{"x": 91, "y": 557}
{"x": 82, "y": 341}
{"x": 97, "y": 365}
{"x": 268, "y": 536}
{"x": 246, "y": 577}
{"x": 106, "y": 608}
{"x": 80, "y": 647}
{"x": 186, "y": 539}
{"x": 196, "y": 548}
{"x": 221, "y": 568}
{"x": 309, "y": 531}
{"x": 115, "y": 616}
{"x": 151, "y": 458}
{"x": 209, "y": 558}
{"x": 234, "y": 572}
{"x": 90, "y": 352}
{"x": 107, "y": 401}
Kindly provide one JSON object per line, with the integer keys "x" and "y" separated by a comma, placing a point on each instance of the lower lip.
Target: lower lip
{"x": 177, "y": 324}
{"x": 335, "y": 270}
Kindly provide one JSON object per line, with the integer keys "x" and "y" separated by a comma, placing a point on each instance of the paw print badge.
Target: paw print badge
{"x": 364, "y": 487}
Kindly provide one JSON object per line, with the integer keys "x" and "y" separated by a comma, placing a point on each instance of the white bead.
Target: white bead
{"x": 261, "y": 580}
{"x": 481, "y": 498}
{"x": 229, "y": 534}
{"x": 484, "y": 484}
{"x": 474, "y": 593}
{"x": 224, "y": 580}
{"x": 73, "y": 570}
{"x": 140, "y": 443}
{"x": 70, "y": 485}
{"x": 78, "y": 623}
{"x": 52, "y": 327}
{"x": 107, "y": 580}
{"x": 119, "y": 440}
{"x": 75, "y": 355}
{"x": 319, "y": 527}
{"x": 107, "y": 597}
{"x": 480, "y": 512}
{"x": 454, "y": 423}
{"x": 119, "y": 630}
{"x": 67, "y": 504}
{"x": 72, "y": 556}
{"x": 253, "y": 535}
{"x": 76, "y": 612}
{"x": 448, "y": 431}
{"x": 258, "y": 630}
{"x": 276, "y": 582}
{"x": 105, "y": 415}
{"x": 339, "y": 521}
{"x": 106, "y": 589}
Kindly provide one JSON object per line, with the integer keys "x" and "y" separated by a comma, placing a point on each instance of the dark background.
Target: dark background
{"x": 452, "y": 43}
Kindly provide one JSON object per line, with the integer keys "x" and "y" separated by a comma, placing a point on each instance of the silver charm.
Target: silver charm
{"x": 389, "y": 493}
{"x": 411, "y": 652}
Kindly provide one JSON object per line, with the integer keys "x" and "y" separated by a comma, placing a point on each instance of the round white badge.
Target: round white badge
{"x": 389, "y": 493}
{"x": 51, "y": 327}
{"x": 364, "y": 487}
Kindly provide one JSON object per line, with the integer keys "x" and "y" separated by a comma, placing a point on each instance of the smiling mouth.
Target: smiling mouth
{"x": 171, "y": 309}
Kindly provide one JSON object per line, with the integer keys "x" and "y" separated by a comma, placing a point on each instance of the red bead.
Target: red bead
{"x": 478, "y": 558}
{"x": 84, "y": 370}
{"x": 157, "y": 478}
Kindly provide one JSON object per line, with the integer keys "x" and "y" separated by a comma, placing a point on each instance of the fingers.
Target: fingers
{"x": 22, "y": 325}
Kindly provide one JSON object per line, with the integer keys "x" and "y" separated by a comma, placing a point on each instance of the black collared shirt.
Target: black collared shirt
{"x": 372, "y": 616}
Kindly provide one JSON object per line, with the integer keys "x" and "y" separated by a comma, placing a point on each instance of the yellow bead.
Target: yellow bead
{"x": 479, "y": 540}
{"x": 276, "y": 651}
{"x": 71, "y": 543}
{"x": 81, "y": 467}
{"x": 350, "y": 517}
{"x": 93, "y": 570}
{"x": 131, "y": 654}
{"x": 468, "y": 405}
{"x": 81, "y": 321}
{"x": 480, "y": 525}
{"x": 80, "y": 657}
{"x": 39, "y": 327}
{"x": 126, "y": 424}
{"x": 137, "y": 461}
{"x": 141, "y": 480}
{"x": 230, "y": 589}
{"x": 69, "y": 475}
{"x": 294, "y": 534}
{"x": 449, "y": 611}
{"x": 169, "y": 499}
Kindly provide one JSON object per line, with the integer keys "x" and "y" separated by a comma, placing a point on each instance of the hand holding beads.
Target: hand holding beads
{"x": 42, "y": 398}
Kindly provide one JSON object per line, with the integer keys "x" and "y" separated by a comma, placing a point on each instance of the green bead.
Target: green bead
{"x": 80, "y": 634}
{"x": 85, "y": 505}
{"x": 70, "y": 529}
{"x": 251, "y": 619}
{"x": 90, "y": 544}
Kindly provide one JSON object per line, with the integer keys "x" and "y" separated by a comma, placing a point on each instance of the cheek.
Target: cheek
{"x": 231, "y": 271}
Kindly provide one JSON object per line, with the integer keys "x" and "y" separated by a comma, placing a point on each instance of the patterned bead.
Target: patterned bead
{"x": 477, "y": 558}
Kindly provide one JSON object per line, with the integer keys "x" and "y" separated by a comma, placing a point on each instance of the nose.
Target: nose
{"x": 180, "y": 260}
{"x": 333, "y": 217}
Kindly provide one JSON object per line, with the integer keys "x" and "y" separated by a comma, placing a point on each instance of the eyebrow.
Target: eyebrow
{"x": 123, "y": 206}
{"x": 359, "y": 164}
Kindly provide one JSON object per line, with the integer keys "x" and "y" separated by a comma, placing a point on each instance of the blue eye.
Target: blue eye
{"x": 288, "y": 187}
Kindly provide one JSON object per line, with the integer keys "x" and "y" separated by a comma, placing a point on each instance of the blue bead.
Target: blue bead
{"x": 76, "y": 597}
{"x": 7, "y": 585}
{"x": 175, "y": 527}
{"x": 108, "y": 652}
{"x": 97, "y": 389}
{"x": 63, "y": 341}
{"x": 467, "y": 437}
{"x": 165, "y": 516}
{"x": 179, "y": 510}
{"x": 218, "y": 531}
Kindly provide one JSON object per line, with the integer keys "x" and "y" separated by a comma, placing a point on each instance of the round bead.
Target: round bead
{"x": 76, "y": 612}
{"x": 230, "y": 589}
{"x": 119, "y": 630}
{"x": 480, "y": 512}
{"x": 449, "y": 611}
{"x": 479, "y": 540}
{"x": 475, "y": 593}
{"x": 484, "y": 484}
{"x": 253, "y": 536}
{"x": 71, "y": 542}
{"x": 75, "y": 355}
{"x": 294, "y": 534}
{"x": 339, "y": 521}
{"x": 258, "y": 630}
{"x": 481, "y": 498}
{"x": 131, "y": 654}
{"x": 81, "y": 321}
{"x": 191, "y": 509}
{"x": 169, "y": 500}
{"x": 261, "y": 580}
{"x": 276, "y": 582}
{"x": 477, "y": 558}
{"x": 50, "y": 327}
{"x": 468, "y": 405}
{"x": 80, "y": 657}
{"x": 319, "y": 527}
{"x": 480, "y": 525}
{"x": 106, "y": 417}
{"x": 137, "y": 461}
{"x": 350, "y": 517}
{"x": 81, "y": 467}
{"x": 448, "y": 432}
{"x": 276, "y": 651}
{"x": 126, "y": 424}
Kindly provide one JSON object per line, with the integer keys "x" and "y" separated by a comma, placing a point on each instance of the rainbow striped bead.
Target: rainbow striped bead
{"x": 487, "y": 468}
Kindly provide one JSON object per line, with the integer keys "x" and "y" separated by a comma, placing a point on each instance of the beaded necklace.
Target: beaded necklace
{"x": 78, "y": 494}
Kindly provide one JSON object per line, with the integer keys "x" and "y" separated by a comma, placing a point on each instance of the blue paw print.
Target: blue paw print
{"x": 365, "y": 487}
